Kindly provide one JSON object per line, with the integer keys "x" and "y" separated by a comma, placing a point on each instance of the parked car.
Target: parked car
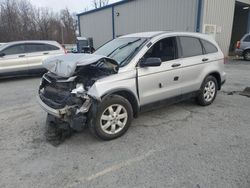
{"x": 2, "y": 44}
{"x": 243, "y": 47}
{"x": 25, "y": 57}
{"x": 128, "y": 75}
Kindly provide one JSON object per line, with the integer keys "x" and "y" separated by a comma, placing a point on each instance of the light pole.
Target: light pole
{"x": 62, "y": 27}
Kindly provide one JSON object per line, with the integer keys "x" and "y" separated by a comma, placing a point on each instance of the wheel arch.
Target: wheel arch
{"x": 217, "y": 76}
{"x": 129, "y": 95}
{"x": 245, "y": 51}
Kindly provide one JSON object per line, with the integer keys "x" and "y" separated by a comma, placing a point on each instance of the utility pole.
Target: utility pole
{"x": 62, "y": 28}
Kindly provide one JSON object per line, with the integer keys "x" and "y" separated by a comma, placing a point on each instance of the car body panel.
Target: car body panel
{"x": 157, "y": 83}
{"x": 124, "y": 81}
{"x": 13, "y": 63}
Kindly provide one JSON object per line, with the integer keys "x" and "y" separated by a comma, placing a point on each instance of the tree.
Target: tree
{"x": 20, "y": 20}
{"x": 100, "y": 3}
{"x": 68, "y": 25}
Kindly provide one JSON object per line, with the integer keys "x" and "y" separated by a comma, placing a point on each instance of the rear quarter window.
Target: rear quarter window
{"x": 191, "y": 46}
{"x": 49, "y": 47}
{"x": 40, "y": 47}
{"x": 209, "y": 47}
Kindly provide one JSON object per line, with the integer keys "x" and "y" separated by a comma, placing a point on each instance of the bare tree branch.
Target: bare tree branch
{"x": 99, "y": 3}
{"x": 20, "y": 20}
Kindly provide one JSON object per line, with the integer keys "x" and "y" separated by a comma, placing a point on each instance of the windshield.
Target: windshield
{"x": 121, "y": 49}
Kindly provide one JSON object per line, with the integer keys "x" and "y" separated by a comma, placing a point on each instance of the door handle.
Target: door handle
{"x": 21, "y": 56}
{"x": 176, "y": 65}
{"x": 205, "y": 59}
{"x": 45, "y": 53}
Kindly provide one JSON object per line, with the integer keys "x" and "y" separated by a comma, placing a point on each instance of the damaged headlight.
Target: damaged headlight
{"x": 79, "y": 90}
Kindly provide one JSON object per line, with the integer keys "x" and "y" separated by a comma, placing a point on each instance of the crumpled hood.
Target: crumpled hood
{"x": 65, "y": 65}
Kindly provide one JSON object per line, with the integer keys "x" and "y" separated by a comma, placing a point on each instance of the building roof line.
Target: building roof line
{"x": 104, "y": 7}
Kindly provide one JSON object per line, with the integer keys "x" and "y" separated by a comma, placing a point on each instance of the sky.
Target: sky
{"x": 76, "y": 6}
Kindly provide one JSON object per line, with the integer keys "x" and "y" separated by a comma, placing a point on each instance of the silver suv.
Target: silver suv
{"x": 243, "y": 47}
{"x": 25, "y": 57}
{"x": 128, "y": 75}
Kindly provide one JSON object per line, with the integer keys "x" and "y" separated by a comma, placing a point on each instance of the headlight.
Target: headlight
{"x": 79, "y": 89}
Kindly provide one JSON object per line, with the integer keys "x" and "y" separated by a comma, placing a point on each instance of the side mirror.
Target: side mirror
{"x": 2, "y": 54}
{"x": 150, "y": 62}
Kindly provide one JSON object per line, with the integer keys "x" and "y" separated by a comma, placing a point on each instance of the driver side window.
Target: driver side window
{"x": 164, "y": 49}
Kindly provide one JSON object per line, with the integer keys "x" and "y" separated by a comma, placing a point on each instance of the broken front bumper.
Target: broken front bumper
{"x": 59, "y": 113}
{"x": 55, "y": 112}
{"x": 74, "y": 117}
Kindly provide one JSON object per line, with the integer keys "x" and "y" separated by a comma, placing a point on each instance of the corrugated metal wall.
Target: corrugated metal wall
{"x": 220, "y": 13}
{"x": 97, "y": 25}
{"x": 138, "y": 16}
{"x": 148, "y": 15}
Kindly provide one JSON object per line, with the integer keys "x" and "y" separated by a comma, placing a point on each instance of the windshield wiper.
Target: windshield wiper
{"x": 131, "y": 54}
{"x": 123, "y": 46}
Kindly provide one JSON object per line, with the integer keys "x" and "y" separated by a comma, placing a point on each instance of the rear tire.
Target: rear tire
{"x": 112, "y": 118}
{"x": 208, "y": 91}
{"x": 246, "y": 55}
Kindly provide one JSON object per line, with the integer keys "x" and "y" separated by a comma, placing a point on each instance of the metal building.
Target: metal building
{"x": 226, "y": 20}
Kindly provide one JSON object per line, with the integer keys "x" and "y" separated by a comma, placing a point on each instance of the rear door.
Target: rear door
{"x": 193, "y": 63}
{"x": 159, "y": 83}
{"x": 37, "y": 52}
{"x": 14, "y": 59}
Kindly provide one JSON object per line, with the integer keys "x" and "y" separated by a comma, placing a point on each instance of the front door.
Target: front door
{"x": 159, "y": 83}
{"x": 13, "y": 59}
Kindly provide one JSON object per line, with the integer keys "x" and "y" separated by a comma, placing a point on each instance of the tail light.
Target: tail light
{"x": 225, "y": 60}
{"x": 238, "y": 45}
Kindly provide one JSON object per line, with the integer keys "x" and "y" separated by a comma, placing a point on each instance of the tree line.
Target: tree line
{"x": 20, "y": 20}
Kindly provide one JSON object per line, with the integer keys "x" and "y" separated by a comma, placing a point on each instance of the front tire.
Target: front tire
{"x": 208, "y": 91}
{"x": 112, "y": 119}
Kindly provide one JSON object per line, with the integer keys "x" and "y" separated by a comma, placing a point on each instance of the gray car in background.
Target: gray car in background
{"x": 243, "y": 47}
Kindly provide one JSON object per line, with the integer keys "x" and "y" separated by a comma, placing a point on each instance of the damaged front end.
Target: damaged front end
{"x": 63, "y": 92}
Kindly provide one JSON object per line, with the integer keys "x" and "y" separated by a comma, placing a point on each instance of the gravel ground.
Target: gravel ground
{"x": 179, "y": 146}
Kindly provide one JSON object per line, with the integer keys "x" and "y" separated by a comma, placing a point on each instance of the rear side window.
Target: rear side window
{"x": 39, "y": 47}
{"x": 209, "y": 47}
{"x": 15, "y": 49}
{"x": 191, "y": 46}
{"x": 247, "y": 38}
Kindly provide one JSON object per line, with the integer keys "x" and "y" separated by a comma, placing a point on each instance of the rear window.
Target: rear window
{"x": 29, "y": 48}
{"x": 247, "y": 38}
{"x": 209, "y": 47}
{"x": 191, "y": 46}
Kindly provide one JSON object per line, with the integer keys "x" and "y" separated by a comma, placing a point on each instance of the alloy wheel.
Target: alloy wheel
{"x": 209, "y": 91}
{"x": 114, "y": 119}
